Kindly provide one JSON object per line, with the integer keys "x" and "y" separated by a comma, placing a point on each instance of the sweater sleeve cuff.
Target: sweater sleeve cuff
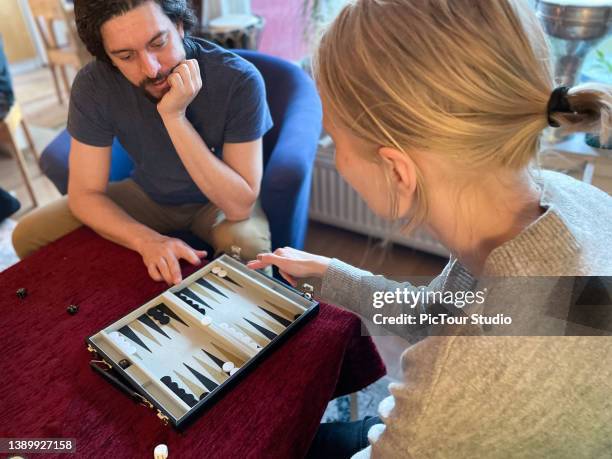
{"x": 341, "y": 283}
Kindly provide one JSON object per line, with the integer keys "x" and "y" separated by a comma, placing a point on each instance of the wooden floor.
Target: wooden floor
{"x": 395, "y": 261}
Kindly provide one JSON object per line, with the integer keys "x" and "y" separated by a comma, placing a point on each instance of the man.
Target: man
{"x": 190, "y": 114}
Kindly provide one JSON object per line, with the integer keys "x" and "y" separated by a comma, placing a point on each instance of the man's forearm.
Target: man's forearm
{"x": 222, "y": 185}
{"x": 106, "y": 218}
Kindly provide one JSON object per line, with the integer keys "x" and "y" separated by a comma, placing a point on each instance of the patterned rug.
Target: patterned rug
{"x": 339, "y": 410}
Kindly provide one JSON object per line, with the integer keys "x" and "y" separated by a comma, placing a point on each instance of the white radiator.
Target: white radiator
{"x": 334, "y": 202}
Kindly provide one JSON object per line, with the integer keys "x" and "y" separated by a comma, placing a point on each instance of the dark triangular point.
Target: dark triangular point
{"x": 209, "y": 384}
{"x": 281, "y": 320}
{"x": 204, "y": 283}
{"x": 267, "y": 333}
{"x": 166, "y": 310}
{"x": 215, "y": 359}
{"x": 193, "y": 300}
{"x": 129, "y": 333}
{"x": 145, "y": 319}
{"x": 229, "y": 279}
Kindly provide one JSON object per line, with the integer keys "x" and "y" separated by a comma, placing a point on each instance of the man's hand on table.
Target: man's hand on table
{"x": 292, "y": 264}
{"x": 185, "y": 83}
{"x": 161, "y": 255}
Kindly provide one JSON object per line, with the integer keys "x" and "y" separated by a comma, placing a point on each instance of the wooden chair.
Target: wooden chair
{"x": 47, "y": 13}
{"x": 8, "y": 134}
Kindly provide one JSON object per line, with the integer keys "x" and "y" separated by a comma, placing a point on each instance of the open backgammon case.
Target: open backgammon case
{"x": 180, "y": 351}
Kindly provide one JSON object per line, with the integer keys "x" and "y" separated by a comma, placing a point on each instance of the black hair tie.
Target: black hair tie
{"x": 558, "y": 103}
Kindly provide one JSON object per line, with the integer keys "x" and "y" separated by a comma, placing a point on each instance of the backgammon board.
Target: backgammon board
{"x": 184, "y": 348}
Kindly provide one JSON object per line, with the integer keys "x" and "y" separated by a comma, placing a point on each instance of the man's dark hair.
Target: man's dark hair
{"x": 90, "y": 15}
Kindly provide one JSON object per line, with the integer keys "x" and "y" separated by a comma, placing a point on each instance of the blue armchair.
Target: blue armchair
{"x": 289, "y": 149}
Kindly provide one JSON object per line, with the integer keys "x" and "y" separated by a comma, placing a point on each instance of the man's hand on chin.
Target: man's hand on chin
{"x": 185, "y": 82}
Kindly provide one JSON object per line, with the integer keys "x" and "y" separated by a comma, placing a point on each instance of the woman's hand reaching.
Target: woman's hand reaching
{"x": 292, "y": 264}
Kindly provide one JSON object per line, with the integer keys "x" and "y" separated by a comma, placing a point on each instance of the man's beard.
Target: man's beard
{"x": 161, "y": 76}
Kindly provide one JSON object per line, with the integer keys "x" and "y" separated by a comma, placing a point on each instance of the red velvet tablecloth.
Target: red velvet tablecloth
{"x": 49, "y": 391}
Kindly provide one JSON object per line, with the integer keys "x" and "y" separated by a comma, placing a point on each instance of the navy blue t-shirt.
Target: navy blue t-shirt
{"x": 230, "y": 107}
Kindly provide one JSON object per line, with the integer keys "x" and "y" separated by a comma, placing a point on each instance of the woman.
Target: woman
{"x": 436, "y": 108}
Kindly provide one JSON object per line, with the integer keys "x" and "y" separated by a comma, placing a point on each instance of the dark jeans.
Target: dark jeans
{"x": 340, "y": 440}
{"x": 8, "y": 205}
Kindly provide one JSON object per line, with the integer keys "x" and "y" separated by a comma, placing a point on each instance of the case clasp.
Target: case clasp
{"x": 237, "y": 253}
{"x": 102, "y": 362}
{"x": 308, "y": 291}
{"x": 160, "y": 415}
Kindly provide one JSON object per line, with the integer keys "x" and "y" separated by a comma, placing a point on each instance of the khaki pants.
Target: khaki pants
{"x": 48, "y": 223}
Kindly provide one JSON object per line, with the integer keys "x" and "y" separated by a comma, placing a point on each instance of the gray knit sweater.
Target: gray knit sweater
{"x": 503, "y": 396}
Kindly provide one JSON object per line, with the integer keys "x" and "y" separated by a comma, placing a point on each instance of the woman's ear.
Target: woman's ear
{"x": 404, "y": 172}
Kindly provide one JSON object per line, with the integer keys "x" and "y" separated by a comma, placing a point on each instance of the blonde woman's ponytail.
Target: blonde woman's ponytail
{"x": 589, "y": 109}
